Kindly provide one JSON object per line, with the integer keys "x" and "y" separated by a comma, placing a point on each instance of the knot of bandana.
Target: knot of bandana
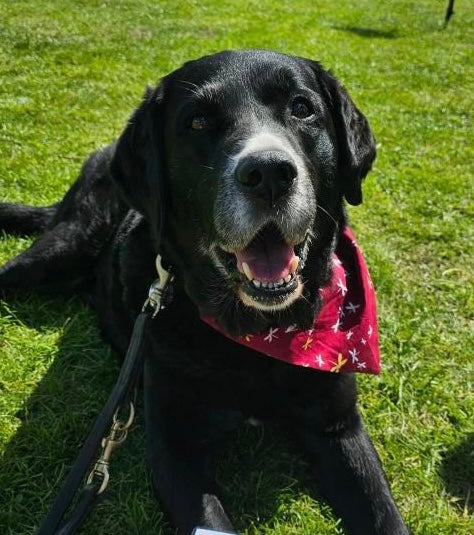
{"x": 344, "y": 337}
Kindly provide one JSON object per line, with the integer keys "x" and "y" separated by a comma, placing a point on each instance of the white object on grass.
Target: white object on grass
{"x": 205, "y": 531}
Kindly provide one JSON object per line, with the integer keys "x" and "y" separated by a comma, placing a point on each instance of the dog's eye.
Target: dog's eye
{"x": 199, "y": 122}
{"x": 301, "y": 108}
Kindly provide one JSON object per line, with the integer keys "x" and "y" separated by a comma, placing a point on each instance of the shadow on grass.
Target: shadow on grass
{"x": 261, "y": 477}
{"x": 457, "y": 471}
{"x": 56, "y": 419}
{"x": 257, "y": 472}
{"x": 368, "y": 32}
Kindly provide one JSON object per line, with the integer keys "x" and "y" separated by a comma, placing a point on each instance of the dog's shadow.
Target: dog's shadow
{"x": 262, "y": 477}
{"x": 457, "y": 472}
{"x": 258, "y": 474}
{"x": 56, "y": 419}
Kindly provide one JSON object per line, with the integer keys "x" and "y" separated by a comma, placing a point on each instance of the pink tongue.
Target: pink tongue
{"x": 269, "y": 260}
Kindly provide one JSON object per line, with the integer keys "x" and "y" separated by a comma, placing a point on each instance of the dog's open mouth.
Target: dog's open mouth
{"x": 267, "y": 270}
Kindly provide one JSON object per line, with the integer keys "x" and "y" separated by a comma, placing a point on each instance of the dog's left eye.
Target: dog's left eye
{"x": 199, "y": 122}
{"x": 301, "y": 108}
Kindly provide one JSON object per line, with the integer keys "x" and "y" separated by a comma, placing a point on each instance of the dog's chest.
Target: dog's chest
{"x": 194, "y": 357}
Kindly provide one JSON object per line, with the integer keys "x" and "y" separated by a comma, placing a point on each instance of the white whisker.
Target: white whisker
{"x": 327, "y": 213}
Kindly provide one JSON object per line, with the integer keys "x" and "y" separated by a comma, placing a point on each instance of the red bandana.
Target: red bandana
{"x": 344, "y": 336}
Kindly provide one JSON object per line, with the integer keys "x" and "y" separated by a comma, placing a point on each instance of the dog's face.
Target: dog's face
{"x": 249, "y": 154}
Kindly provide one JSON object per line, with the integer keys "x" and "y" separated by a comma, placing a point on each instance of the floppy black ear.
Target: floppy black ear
{"x": 356, "y": 143}
{"x": 137, "y": 163}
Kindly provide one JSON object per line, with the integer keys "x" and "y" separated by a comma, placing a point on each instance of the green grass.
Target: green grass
{"x": 71, "y": 73}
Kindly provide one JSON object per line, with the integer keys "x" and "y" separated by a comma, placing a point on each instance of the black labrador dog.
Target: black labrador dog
{"x": 235, "y": 169}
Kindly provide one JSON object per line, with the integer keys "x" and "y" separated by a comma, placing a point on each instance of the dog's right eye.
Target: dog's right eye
{"x": 301, "y": 108}
{"x": 199, "y": 122}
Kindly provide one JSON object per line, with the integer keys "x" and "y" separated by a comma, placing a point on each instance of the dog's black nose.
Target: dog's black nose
{"x": 267, "y": 175}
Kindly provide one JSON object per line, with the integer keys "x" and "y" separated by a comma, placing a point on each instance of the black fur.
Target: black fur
{"x": 166, "y": 187}
{"x": 24, "y": 220}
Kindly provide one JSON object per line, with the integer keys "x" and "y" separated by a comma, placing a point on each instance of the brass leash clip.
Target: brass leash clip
{"x": 117, "y": 435}
{"x": 157, "y": 288}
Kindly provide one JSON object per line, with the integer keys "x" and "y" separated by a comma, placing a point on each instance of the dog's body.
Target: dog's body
{"x": 234, "y": 168}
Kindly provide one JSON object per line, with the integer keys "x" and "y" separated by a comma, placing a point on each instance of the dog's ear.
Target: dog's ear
{"x": 137, "y": 163}
{"x": 356, "y": 143}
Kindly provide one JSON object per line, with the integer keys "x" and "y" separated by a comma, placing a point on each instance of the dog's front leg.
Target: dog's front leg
{"x": 347, "y": 469}
{"x": 182, "y": 441}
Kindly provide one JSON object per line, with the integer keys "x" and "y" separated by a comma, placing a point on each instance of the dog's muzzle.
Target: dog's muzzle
{"x": 264, "y": 218}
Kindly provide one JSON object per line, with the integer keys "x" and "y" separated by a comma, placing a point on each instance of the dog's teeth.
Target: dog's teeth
{"x": 247, "y": 271}
{"x": 256, "y": 283}
{"x": 288, "y": 278}
{"x": 281, "y": 281}
{"x": 294, "y": 264}
{"x": 271, "y": 285}
{"x": 264, "y": 284}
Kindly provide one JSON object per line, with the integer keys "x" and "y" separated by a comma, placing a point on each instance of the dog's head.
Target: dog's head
{"x": 242, "y": 160}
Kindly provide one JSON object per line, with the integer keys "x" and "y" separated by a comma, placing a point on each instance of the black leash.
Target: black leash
{"x": 122, "y": 395}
